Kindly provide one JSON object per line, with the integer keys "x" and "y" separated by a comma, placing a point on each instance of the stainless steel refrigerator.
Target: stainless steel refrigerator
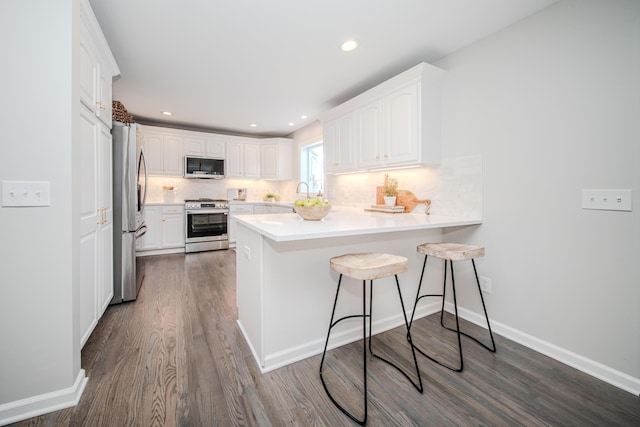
{"x": 129, "y": 196}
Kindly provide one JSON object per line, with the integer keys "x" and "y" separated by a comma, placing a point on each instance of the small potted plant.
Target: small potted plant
{"x": 390, "y": 190}
{"x": 270, "y": 197}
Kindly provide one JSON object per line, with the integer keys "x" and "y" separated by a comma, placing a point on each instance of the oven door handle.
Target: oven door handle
{"x": 207, "y": 211}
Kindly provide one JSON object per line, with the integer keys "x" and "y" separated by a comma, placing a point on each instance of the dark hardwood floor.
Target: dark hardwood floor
{"x": 175, "y": 357}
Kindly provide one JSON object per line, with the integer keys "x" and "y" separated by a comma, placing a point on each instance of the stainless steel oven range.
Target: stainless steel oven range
{"x": 206, "y": 225}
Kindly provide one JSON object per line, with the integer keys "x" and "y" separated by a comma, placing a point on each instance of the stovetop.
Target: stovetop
{"x": 204, "y": 199}
{"x": 206, "y": 203}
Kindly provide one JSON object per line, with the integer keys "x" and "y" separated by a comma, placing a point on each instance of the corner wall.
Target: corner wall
{"x": 40, "y": 351}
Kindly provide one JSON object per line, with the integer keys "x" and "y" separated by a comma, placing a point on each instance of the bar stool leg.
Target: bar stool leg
{"x": 364, "y": 316}
{"x": 364, "y": 351}
{"x": 457, "y": 330}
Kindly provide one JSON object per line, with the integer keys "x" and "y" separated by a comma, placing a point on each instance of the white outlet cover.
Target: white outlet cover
{"x": 607, "y": 200}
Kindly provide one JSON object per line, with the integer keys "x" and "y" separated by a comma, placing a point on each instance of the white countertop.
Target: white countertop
{"x": 344, "y": 221}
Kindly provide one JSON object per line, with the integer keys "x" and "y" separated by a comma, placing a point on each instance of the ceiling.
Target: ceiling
{"x": 223, "y": 65}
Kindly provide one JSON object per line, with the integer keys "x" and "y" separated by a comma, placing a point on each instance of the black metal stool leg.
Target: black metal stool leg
{"x": 364, "y": 351}
{"x": 417, "y": 385}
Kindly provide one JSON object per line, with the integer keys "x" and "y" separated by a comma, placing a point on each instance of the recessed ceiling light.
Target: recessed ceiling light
{"x": 303, "y": 117}
{"x": 167, "y": 113}
{"x": 290, "y": 123}
{"x": 253, "y": 125}
{"x": 349, "y": 45}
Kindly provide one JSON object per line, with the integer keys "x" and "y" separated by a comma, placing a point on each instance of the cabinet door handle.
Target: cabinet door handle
{"x": 386, "y": 156}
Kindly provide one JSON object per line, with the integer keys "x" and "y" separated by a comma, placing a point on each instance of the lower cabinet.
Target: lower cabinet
{"x": 165, "y": 229}
{"x": 248, "y": 209}
{"x": 231, "y": 229}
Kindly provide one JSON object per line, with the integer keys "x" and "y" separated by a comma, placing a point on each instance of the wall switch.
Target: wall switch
{"x": 26, "y": 193}
{"x": 607, "y": 200}
{"x": 485, "y": 284}
{"x": 247, "y": 252}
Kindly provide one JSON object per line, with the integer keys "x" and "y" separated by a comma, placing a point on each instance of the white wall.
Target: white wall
{"x": 39, "y": 343}
{"x": 552, "y": 106}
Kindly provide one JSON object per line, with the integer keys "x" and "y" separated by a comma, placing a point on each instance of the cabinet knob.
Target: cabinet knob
{"x": 386, "y": 156}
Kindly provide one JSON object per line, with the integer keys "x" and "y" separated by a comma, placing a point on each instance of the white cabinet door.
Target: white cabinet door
{"x": 251, "y": 160}
{"x": 236, "y": 210}
{"x": 172, "y": 156}
{"x": 339, "y": 141}
{"x": 153, "y": 219}
{"x": 90, "y": 217}
{"x": 235, "y": 160}
{"x": 104, "y": 89}
{"x": 215, "y": 148}
{"x": 173, "y": 227}
{"x": 105, "y": 254}
{"x": 401, "y": 126}
{"x": 153, "y": 153}
{"x": 242, "y": 160}
{"x": 194, "y": 146}
{"x": 87, "y": 72}
{"x": 96, "y": 222}
{"x": 163, "y": 154}
{"x": 275, "y": 158}
{"x": 369, "y": 119}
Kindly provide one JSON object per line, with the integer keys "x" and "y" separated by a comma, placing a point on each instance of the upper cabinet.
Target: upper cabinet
{"x": 395, "y": 124}
{"x": 163, "y": 153}
{"x": 243, "y": 158}
{"x": 205, "y": 146}
{"x": 97, "y": 67}
{"x": 339, "y": 136}
{"x": 275, "y": 158}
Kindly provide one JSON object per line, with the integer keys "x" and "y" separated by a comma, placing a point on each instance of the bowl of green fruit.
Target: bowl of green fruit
{"x": 312, "y": 209}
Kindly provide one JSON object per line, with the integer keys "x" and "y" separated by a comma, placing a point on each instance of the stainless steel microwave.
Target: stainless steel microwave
{"x": 203, "y": 167}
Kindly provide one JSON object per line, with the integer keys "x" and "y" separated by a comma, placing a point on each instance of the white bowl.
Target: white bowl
{"x": 312, "y": 213}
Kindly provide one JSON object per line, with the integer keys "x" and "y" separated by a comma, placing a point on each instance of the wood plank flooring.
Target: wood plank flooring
{"x": 175, "y": 357}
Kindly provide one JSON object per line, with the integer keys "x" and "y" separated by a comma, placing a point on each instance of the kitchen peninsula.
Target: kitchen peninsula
{"x": 285, "y": 288}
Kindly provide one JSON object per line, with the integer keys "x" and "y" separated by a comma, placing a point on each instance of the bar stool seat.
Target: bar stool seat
{"x": 368, "y": 266}
{"x": 450, "y": 252}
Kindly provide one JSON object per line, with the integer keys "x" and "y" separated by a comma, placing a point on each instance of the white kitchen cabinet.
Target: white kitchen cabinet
{"x": 339, "y": 140}
{"x": 95, "y": 77}
{"x": 236, "y": 209}
{"x": 165, "y": 230}
{"x": 173, "y": 227}
{"x": 163, "y": 153}
{"x": 395, "y": 124}
{"x": 152, "y": 239}
{"x": 369, "y": 138}
{"x": 96, "y": 68}
{"x": 204, "y": 146}
{"x": 275, "y": 158}
{"x": 243, "y": 159}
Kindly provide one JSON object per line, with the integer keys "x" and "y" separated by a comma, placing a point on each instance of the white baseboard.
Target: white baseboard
{"x": 345, "y": 336}
{"x": 42, "y": 404}
{"x": 605, "y": 373}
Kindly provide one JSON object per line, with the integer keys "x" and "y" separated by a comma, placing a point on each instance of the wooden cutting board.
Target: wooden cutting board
{"x": 404, "y": 198}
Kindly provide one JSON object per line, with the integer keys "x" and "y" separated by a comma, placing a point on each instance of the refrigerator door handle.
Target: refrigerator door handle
{"x": 143, "y": 162}
{"x": 141, "y": 231}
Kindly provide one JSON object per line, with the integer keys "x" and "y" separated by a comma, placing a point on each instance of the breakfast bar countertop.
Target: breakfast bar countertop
{"x": 345, "y": 221}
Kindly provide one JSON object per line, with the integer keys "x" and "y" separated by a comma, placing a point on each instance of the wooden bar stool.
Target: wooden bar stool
{"x": 450, "y": 252}
{"x": 368, "y": 266}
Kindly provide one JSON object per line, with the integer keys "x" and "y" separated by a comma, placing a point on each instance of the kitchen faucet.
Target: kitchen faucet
{"x": 298, "y": 187}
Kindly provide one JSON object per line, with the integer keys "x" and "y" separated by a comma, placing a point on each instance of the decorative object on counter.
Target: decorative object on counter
{"x": 312, "y": 209}
{"x": 237, "y": 194}
{"x": 407, "y": 199}
{"x": 119, "y": 113}
{"x": 167, "y": 193}
{"x": 386, "y": 209}
{"x": 271, "y": 197}
{"x": 390, "y": 189}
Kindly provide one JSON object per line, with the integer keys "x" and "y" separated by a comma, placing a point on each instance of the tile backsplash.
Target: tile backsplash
{"x": 454, "y": 187}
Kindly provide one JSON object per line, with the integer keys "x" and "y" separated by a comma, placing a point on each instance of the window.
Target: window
{"x": 312, "y": 166}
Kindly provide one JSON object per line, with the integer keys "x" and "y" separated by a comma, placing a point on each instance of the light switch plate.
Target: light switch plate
{"x": 26, "y": 193}
{"x": 607, "y": 200}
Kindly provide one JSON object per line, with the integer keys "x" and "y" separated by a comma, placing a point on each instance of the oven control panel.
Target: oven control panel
{"x": 206, "y": 204}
